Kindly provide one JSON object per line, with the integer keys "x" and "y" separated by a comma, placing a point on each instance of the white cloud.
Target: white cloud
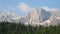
{"x": 50, "y": 9}
{"x": 54, "y": 11}
{"x": 22, "y": 6}
{"x": 46, "y": 8}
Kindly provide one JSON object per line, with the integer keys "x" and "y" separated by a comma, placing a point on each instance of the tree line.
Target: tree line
{"x": 13, "y": 28}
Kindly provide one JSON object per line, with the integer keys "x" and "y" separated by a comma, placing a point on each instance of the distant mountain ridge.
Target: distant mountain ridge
{"x": 34, "y": 17}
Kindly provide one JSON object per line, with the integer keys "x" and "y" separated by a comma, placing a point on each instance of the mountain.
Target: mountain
{"x": 42, "y": 17}
{"x": 37, "y": 16}
{"x": 8, "y": 16}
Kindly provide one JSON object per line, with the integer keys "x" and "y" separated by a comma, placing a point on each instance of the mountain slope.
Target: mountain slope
{"x": 10, "y": 17}
{"x": 38, "y": 15}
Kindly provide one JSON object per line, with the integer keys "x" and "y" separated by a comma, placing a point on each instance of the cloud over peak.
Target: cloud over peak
{"x": 22, "y": 6}
{"x": 50, "y": 9}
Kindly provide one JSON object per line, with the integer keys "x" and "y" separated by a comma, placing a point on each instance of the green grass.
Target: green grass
{"x": 12, "y": 28}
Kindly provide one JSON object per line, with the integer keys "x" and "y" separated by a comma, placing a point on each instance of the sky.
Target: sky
{"x": 21, "y": 7}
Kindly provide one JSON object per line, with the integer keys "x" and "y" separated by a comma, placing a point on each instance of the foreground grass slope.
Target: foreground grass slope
{"x": 13, "y": 28}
